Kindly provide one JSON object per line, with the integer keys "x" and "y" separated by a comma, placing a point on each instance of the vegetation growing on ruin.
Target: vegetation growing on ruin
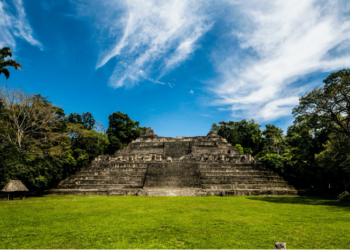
{"x": 174, "y": 222}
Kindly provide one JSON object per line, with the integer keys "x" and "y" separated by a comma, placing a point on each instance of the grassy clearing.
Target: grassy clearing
{"x": 173, "y": 222}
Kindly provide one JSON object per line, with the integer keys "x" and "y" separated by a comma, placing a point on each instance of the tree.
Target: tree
{"x": 273, "y": 140}
{"x": 121, "y": 131}
{"x": 326, "y": 110}
{"x": 245, "y": 133}
{"x": 29, "y": 122}
{"x": 86, "y": 119}
{"x": 5, "y": 52}
{"x": 328, "y": 106}
{"x": 33, "y": 145}
{"x": 335, "y": 162}
{"x": 84, "y": 145}
{"x": 274, "y": 161}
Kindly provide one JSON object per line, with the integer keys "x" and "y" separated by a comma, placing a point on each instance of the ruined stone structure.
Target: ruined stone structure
{"x": 186, "y": 166}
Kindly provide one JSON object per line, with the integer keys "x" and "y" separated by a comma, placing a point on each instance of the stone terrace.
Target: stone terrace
{"x": 186, "y": 166}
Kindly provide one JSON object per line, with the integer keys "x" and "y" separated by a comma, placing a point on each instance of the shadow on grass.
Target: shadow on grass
{"x": 304, "y": 201}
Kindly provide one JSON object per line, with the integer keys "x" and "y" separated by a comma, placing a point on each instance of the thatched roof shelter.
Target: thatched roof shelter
{"x": 14, "y": 186}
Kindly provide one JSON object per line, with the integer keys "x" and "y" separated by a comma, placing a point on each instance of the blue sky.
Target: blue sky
{"x": 176, "y": 66}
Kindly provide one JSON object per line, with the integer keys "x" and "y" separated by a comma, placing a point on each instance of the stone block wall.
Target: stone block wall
{"x": 173, "y": 174}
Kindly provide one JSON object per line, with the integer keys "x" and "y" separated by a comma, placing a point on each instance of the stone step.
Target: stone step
{"x": 241, "y": 165}
{"x": 176, "y": 192}
{"x": 110, "y": 192}
{"x": 100, "y": 186}
{"x": 248, "y": 186}
{"x": 102, "y": 169}
{"x": 64, "y": 191}
{"x": 172, "y": 192}
{"x": 236, "y": 180}
{"x": 173, "y": 183}
{"x": 104, "y": 177}
{"x": 238, "y": 174}
{"x": 138, "y": 181}
{"x": 233, "y": 170}
{"x": 253, "y": 192}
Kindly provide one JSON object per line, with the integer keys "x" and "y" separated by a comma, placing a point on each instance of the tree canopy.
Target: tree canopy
{"x": 5, "y": 52}
{"x": 328, "y": 106}
{"x": 245, "y": 133}
{"x": 121, "y": 131}
{"x": 40, "y": 145}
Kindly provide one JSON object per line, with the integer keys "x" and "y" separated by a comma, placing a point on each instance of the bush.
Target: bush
{"x": 344, "y": 196}
{"x": 274, "y": 161}
{"x": 239, "y": 148}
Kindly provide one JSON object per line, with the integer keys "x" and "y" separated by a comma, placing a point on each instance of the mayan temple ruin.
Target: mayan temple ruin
{"x": 186, "y": 166}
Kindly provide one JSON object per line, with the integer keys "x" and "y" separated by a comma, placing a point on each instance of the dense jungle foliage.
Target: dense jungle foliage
{"x": 41, "y": 145}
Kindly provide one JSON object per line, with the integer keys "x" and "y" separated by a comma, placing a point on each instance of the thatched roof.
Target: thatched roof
{"x": 14, "y": 186}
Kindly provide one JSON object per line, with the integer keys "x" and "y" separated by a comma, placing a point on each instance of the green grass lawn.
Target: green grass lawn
{"x": 173, "y": 222}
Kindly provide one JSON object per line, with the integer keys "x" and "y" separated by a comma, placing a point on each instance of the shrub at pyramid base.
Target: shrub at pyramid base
{"x": 186, "y": 166}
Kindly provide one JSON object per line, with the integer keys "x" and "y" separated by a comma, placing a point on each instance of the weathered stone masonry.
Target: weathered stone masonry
{"x": 190, "y": 166}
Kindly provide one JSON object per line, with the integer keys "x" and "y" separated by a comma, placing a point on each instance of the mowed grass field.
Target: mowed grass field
{"x": 173, "y": 222}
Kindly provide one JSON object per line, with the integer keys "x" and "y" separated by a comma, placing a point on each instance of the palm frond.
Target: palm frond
{"x": 6, "y": 72}
{"x": 11, "y": 63}
{"x": 4, "y": 52}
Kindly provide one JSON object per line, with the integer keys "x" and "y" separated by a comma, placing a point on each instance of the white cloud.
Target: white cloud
{"x": 14, "y": 25}
{"x": 156, "y": 36}
{"x": 262, "y": 47}
{"x": 191, "y": 92}
{"x": 286, "y": 41}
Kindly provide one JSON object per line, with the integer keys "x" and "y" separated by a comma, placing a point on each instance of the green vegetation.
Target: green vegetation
{"x": 5, "y": 52}
{"x": 173, "y": 222}
{"x": 314, "y": 153}
{"x": 121, "y": 131}
{"x": 40, "y": 145}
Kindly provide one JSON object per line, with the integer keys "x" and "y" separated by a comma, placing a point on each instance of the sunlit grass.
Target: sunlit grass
{"x": 173, "y": 222}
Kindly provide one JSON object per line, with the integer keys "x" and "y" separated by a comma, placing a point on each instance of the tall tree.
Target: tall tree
{"x": 5, "y": 52}
{"x": 121, "y": 131}
{"x": 29, "y": 121}
{"x": 86, "y": 119}
{"x": 329, "y": 106}
{"x": 334, "y": 162}
{"x": 273, "y": 140}
{"x": 33, "y": 144}
{"x": 245, "y": 133}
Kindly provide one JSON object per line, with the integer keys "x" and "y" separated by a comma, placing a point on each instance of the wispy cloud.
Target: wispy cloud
{"x": 156, "y": 35}
{"x": 262, "y": 47}
{"x": 15, "y": 24}
{"x": 284, "y": 41}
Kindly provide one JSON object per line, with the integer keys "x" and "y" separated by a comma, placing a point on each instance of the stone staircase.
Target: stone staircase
{"x": 105, "y": 178}
{"x": 187, "y": 166}
{"x": 243, "y": 179}
{"x": 175, "y": 179}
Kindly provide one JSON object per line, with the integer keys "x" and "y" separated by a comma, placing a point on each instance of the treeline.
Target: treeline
{"x": 41, "y": 145}
{"x": 314, "y": 153}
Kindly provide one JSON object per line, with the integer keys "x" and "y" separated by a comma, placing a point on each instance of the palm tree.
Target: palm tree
{"x": 4, "y": 52}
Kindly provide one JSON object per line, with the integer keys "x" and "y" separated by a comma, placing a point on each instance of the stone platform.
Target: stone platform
{"x": 186, "y": 166}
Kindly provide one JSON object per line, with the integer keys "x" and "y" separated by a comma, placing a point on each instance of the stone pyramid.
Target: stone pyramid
{"x": 186, "y": 166}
